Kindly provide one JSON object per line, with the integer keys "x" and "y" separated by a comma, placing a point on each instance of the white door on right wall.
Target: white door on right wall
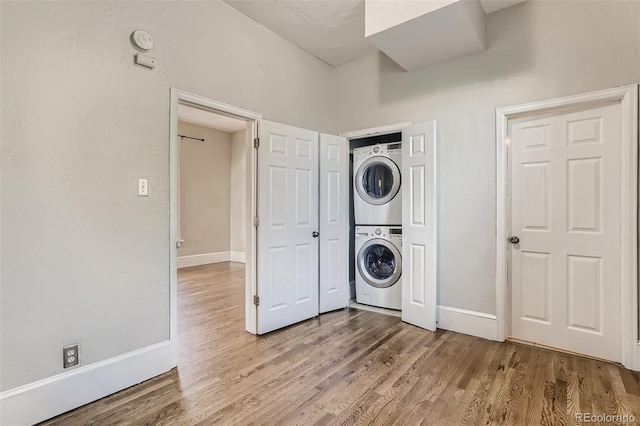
{"x": 565, "y": 175}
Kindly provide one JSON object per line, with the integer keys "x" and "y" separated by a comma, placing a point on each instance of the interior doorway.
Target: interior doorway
{"x": 210, "y": 136}
{"x": 211, "y": 187}
{"x": 567, "y": 224}
{"x": 211, "y": 226}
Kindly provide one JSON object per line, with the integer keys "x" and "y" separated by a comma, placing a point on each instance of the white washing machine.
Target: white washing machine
{"x": 377, "y": 199}
{"x": 379, "y": 266}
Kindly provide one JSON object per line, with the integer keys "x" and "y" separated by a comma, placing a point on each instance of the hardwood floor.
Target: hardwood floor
{"x": 352, "y": 367}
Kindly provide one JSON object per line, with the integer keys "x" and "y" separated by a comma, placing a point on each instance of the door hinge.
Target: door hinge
{"x": 256, "y": 143}
{"x": 256, "y": 300}
{"x": 256, "y": 221}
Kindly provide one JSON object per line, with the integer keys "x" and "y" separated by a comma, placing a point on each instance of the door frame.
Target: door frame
{"x": 628, "y": 98}
{"x": 252, "y": 118}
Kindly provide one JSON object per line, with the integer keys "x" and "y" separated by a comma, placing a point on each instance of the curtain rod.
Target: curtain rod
{"x": 189, "y": 137}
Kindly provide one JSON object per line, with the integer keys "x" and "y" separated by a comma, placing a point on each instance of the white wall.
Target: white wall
{"x": 205, "y": 190}
{"x": 84, "y": 258}
{"x": 238, "y": 185}
{"x": 537, "y": 50}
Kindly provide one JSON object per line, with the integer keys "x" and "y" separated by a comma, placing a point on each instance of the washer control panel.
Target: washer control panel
{"x": 389, "y": 232}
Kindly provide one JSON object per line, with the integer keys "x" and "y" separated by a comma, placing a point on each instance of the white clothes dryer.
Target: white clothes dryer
{"x": 377, "y": 199}
{"x": 379, "y": 266}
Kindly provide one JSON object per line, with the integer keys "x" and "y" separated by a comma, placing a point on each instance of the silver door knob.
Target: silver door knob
{"x": 514, "y": 240}
{"x": 315, "y": 234}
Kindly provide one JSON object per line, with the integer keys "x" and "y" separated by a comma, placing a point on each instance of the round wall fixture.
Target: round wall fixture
{"x": 142, "y": 40}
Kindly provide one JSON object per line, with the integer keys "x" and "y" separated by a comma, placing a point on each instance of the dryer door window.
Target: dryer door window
{"x": 378, "y": 180}
{"x": 379, "y": 263}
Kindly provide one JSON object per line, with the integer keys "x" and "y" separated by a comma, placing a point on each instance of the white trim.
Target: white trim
{"x": 628, "y": 98}
{"x": 629, "y": 232}
{"x": 177, "y": 97}
{"x": 463, "y": 321}
{"x": 203, "y": 259}
{"x": 251, "y": 232}
{"x": 47, "y": 398}
{"x": 174, "y": 236}
{"x": 502, "y": 149}
{"x": 375, "y": 131}
{"x": 218, "y": 107}
{"x": 237, "y": 256}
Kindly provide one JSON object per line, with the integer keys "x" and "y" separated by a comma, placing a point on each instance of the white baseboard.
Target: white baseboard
{"x": 237, "y": 256}
{"x": 203, "y": 259}
{"x": 47, "y": 398}
{"x": 468, "y": 322}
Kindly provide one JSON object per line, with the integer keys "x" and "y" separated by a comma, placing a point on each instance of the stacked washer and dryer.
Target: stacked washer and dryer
{"x": 377, "y": 205}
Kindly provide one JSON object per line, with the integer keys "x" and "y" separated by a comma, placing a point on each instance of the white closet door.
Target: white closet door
{"x": 288, "y": 218}
{"x": 419, "y": 225}
{"x": 334, "y": 222}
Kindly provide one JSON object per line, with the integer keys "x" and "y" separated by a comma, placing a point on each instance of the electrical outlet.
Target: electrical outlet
{"x": 70, "y": 356}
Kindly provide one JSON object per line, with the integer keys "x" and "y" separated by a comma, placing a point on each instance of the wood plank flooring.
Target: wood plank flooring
{"x": 352, "y": 367}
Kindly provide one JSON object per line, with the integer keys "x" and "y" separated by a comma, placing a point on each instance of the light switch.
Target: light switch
{"x": 143, "y": 187}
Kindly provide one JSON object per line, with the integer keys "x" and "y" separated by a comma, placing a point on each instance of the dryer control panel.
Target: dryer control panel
{"x": 379, "y": 149}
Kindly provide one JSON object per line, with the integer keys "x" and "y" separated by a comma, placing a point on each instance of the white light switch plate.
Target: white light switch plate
{"x": 143, "y": 187}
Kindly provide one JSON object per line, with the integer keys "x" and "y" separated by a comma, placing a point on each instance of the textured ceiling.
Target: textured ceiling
{"x": 330, "y": 30}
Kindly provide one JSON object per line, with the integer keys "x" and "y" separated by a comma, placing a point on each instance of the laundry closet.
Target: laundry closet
{"x": 376, "y": 221}
{"x": 343, "y": 216}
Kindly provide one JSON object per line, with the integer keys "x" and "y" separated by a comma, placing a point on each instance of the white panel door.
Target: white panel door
{"x": 565, "y": 270}
{"x": 288, "y": 218}
{"x": 419, "y": 278}
{"x": 334, "y": 222}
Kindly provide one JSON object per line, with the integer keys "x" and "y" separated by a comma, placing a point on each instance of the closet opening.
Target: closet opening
{"x": 375, "y": 223}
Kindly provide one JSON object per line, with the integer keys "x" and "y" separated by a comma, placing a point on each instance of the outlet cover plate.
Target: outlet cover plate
{"x": 70, "y": 356}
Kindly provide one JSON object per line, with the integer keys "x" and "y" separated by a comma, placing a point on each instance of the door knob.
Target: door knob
{"x": 315, "y": 234}
{"x": 514, "y": 240}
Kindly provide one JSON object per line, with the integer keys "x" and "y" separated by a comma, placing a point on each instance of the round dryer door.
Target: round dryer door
{"x": 379, "y": 263}
{"x": 378, "y": 180}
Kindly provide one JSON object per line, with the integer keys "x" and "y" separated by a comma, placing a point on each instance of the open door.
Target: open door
{"x": 419, "y": 261}
{"x": 334, "y": 222}
{"x": 287, "y": 226}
